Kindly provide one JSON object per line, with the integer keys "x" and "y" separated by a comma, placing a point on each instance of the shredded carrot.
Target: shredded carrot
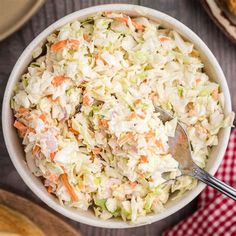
{"x": 36, "y": 150}
{"x": 53, "y": 177}
{"x": 133, "y": 184}
{"x": 97, "y": 150}
{"x": 125, "y": 138}
{"x": 43, "y": 117}
{"x": 56, "y": 99}
{"x": 125, "y": 19}
{"x": 103, "y": 122}
{"x": 69, "y": 188}
{"x": 141, "y": 116}
{"x": 52, "y": 155}
{"x": 87, "y": 100}
{"x": 85, "y": 36}
{"x": 50, "y": 189}
{"x": 21, "y": 127}
{"x": 141, "y": 175}
{"x": 122, "y": 19}
{"x": 162, "y": 155}
{"x": 152, "y": 94}
{"x": 190, "y": 105}
{"x": 61, "y": 44}
{"x": 150, "y": 134}
{"x": 57, "y": 80}
{"x": 198, "y": 81}
{"x": 133, "y": 115}
{"x": 143, "y": 159}
{"x": 32, "y": 130}
{"x": 138, "y": 101}
{"x": 137, "y": 25}
{"x": 163, "y": 39}
{"x": 195, "y": 53}
{"x": 215, "y": 94}
{"x": 74, "y": 131}
{"x": 159, "y": 143}
{"x": 23, "y": 110}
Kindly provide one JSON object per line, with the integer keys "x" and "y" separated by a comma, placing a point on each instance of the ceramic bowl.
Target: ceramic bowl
{"x": 15, "y": 149}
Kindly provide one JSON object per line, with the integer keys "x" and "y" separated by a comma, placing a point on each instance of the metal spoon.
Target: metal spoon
{"x": 179, "y": 147}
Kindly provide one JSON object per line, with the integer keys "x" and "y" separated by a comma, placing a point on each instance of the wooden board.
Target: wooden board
{"x": 48, "y": 223}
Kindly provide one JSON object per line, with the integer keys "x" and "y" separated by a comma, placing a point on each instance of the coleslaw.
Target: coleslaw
{"x": 85, "y": 110}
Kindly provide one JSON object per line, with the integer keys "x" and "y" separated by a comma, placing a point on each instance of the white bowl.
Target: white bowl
{"x": 14, "y": 146}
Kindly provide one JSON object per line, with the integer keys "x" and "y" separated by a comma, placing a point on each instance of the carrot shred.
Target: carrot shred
{"x": 57, "y": 80}
{"x": 141, "y": 175}
{"x": 122, "y": 19}
{"x": 215, "y": 95}
{"x": 21, "y": 127}
{"x": 61, "y": 44}
{"x": 56, "y": 99}
{"x": 36, "y": 150}
{"x": 138, "y": 101}
{"x": 143, "y": 159}
{"x": 52, "y": 155}
{"x": 137, "y": 25}
{"x": 163, "y": 155}
{"x": 32, "y": 130}
{"x": 97, "y": 150}
{"x": 103, "y": 122}
{"x": 141, "y": 116}
{"x": 152, "y": 95}
{"x": 49, "y": 189}
{"x": 69, "y": 188}
{"x": 85, "y": 36}
{"x": 22, "y": 110}
{"x": 150, "y": 134}
{"x": 195, "y": 53}
{"x": 133, "y": 115}
{"x": 43, "y": 117}
{"x": 158, "y": 143}
{"x": 198, "y": 81}
{"x": 125, "y": 138}
{"x": 125, "y": 19}
{"x": 74, "y": 131}
{"x": 87, "y": 100}
{"x": 133, "y": 184}
{"x": 163, "y": 39}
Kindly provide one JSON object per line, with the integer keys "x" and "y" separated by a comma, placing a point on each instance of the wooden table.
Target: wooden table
{"x": 190, "y": 12}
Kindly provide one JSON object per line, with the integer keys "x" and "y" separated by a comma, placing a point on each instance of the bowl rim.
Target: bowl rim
{"x": 28, "y": 52}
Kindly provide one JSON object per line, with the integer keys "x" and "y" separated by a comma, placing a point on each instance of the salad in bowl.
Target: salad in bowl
{"x": 85, "y": 112}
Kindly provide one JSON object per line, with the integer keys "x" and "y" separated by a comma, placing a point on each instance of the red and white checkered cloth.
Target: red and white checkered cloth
{"x": 216, "y": 214}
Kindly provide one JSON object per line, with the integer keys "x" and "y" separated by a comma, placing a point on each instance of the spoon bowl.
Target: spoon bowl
{"x": 180, "y": 149}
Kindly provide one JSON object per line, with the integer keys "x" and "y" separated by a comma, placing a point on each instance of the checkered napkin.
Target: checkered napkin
{"x": 216, "y": 214}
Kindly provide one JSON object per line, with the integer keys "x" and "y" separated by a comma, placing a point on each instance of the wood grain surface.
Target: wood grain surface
{"x": 189, "y": 12}
{"x": 47, "y": 222}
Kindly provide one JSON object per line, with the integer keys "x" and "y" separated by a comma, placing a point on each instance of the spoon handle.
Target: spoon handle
{"x": 210, "y": 180}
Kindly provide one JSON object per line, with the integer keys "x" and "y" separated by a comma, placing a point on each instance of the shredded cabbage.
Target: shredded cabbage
{"x": 86, "y": 113}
